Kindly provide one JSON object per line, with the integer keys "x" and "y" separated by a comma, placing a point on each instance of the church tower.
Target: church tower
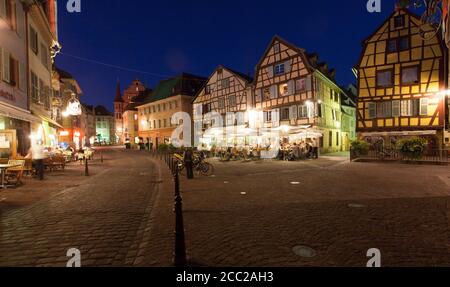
{"x": 118, "y": 114}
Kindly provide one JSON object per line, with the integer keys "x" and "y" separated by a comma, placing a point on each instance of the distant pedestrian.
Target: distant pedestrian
{"x": 189, "y": 163}
{"x": 37, "y": 154}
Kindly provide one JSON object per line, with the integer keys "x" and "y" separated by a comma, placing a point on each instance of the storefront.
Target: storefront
{"x": 45, "y": 131}
{"x": 15, "y": 131}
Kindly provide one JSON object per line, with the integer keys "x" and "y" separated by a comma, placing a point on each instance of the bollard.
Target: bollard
{"x": 101, "y": 157}
{"x": 86, "y": 166}
{"x": 180, "y": 259}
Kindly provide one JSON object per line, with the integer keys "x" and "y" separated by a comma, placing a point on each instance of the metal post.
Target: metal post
{"x": 101, "y": 156}
{"x": 180, "y": 259}
{"x": 86, "y": 166}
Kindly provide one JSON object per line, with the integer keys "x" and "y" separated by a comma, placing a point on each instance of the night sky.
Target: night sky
{"x": 164, "y": 37}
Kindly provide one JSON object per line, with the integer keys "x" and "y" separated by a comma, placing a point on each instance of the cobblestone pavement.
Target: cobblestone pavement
{"x": 107, "y": 216}
{"x": 250, "y": 214}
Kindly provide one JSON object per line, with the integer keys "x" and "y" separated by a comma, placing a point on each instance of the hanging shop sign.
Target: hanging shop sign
{"x": 73, "y": 107}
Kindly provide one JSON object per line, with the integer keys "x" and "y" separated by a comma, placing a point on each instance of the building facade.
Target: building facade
{"x": 41, "y": 38}
{"x": 296, "y": 95}
{"x": 402, "y": 78}
{"x": 15, "y": 117}
{"x": 105, "y": 130}
{"x": 171, "y": 96}
{"x": 223, "y": 102}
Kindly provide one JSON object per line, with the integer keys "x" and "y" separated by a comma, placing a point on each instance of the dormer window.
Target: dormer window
{"x": 399, "y": 21}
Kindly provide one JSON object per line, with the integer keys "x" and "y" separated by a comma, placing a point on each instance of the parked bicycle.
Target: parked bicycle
{"x": 200, "y": 164}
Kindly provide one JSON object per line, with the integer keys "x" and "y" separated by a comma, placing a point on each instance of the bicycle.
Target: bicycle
{"x": 199, "y": 164}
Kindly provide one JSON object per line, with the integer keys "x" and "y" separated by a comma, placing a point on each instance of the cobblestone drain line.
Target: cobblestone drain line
{"x": 144, "y": 234}
{"x": 156, "y": 245}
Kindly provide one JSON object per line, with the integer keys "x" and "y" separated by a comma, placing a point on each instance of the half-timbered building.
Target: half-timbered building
{"x": 401, "y": 83}
{"x": 298, "y": 96}
{"x": 221, "y": 109}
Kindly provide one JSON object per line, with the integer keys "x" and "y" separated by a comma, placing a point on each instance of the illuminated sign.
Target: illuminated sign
{"x": 73, "y": 107}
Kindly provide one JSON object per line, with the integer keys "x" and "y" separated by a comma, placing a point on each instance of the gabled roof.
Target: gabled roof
{"x": 102, "y": 111}
{"x": 184, "y": 84}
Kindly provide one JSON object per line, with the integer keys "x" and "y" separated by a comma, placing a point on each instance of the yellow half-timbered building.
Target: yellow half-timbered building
{"x": 402, "y": 85}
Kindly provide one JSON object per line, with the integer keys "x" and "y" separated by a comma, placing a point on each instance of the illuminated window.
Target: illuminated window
{"x": 303, "y": 111}
{"x": 283, "y": 89}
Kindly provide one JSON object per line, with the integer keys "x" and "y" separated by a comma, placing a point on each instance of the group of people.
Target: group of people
{"x": 299, "y": 150}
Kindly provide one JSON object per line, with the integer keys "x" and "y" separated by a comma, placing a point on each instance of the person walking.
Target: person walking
{"x": 37, "y": 155}
{"x": 189, "y": 163}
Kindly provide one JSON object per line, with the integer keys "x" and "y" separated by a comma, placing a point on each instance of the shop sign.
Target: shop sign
{"x": 7, "y": 96}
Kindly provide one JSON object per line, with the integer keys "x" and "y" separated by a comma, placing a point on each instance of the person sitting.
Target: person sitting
{"x": 296, "y": 151}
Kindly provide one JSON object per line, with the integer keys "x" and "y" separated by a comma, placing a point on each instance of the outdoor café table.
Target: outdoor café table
{"x": 3, "y": 168}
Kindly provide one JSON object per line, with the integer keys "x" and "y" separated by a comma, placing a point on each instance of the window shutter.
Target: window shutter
{"x": 270, "y": 71}
{"x": 396, "y": 108}
{"x": 20, "y": 21}
{"x": 293, "y": 114}
{"x": 275, "y": 117}
{"x": 3, "y": 9}
{"x": 309, "y": 83}
{"x": 259, "y": 95}
{"x": 291, "y": 87}
{"x": 287, "y": 66}
{"x": 6, "y": 73}
{"x": 424, "y": 107}
{"x": 274, "y": 92}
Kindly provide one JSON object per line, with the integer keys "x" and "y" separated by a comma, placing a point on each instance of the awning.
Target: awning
{"x": 17, "y": 113}
{"x": 403, "y": 133}
{"x": 49, "y": 120}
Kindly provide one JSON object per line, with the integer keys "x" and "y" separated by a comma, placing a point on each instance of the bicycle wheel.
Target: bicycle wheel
{"x": 206, "y": 169}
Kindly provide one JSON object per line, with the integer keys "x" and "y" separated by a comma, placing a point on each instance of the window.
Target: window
{"x": 268, "y": 116}
{"x": 283, "y": 89}
{"x": 159, "y": 124}
{"x": 165, "y": 123}
{"x": 279, "y": 69}
{"x": 330, "y": 139}
{"x": 9, "y": 10}
{"x": 424, "y": 107}
{"x": 221, "y": 103}
{"x": 403, "y": 43}
{"x": 285, "y": 114}
{"x": 267, "y": 93}
{"x": 34, "y": 40}
{"x": 300, "y": 85}
{"x": 154, "y": 109}
{"x": 219, "y": 75}
{"x": 372, "y": 107}
{"x": 385, "y": 78}
{"x": 319, "y": 110}
{"x": 232, "y": 101}
{"x": 392, "y": 46}
{"x": 395, "y": 108}
{"x": 399, "y": 21}
{"x": 303, "y": 112}
{"x": 44, "y": 55}
{"x": 276, "y": 48}
{"x": 406, "y": 108}
{"x": 34, "y": 87}
{"x": 410, "y": 75}
{"x": 225, "y": 83}
{"x": 46, "y": 96}
{"x": 384, "y": 110}
{"x": 208, "y": 90}
{"x": 337, "y": 138}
